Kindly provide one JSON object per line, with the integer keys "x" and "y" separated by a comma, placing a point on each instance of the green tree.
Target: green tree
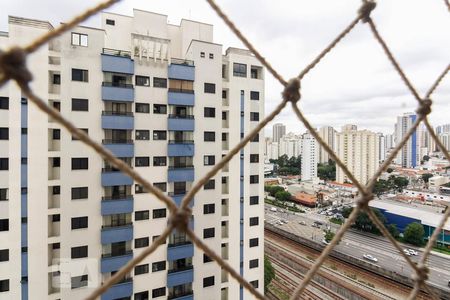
{"x": 426, "y": 158}
{"x": 346, "y": 211}
{"x": 327, "y": 171}
{"x": 426, "y": 177}
{"x": 414, "y": 234}
{"x": 390, "y": 170}
{"x": 269, "y": 272}
{"x": 329, "y": 235}
{"x": 364, "y": 223}
{"x": 283, "y": 196}
{"x": 392, "y": 228}
{"x": 400, "y": 183}
{"x": 273, "y": 189}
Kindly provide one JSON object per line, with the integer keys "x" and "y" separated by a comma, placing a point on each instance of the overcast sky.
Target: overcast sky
{"x": 355, "y": 83}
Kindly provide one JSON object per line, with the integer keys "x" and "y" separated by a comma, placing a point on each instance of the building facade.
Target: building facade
{"x": 165, "y": 100}
{"x": 409, "y": 155}
{"x": 358, "y": 150}
{"x": 310, "y": 157}
{"x": 278, "y": 131}
{"x": 328, "y": 135}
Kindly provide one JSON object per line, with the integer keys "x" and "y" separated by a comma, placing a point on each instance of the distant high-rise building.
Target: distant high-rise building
{"x": 278, "y": 131}
{"x": 348, "y": 127}
{"x": 443, "y": 128}
{"x": 381, "y": 147}
{"x": 310, "y": 157}
{"x": 358, "y": 150}
{"x": 389, "y": 141}
{"x": 328, "y": 135}
{"x": 409, "y": 155}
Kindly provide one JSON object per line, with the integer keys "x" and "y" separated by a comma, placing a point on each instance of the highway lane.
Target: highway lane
{"x": 357, "y": 244}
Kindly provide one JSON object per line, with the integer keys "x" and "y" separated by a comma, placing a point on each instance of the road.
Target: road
{"x": 357, "y": 244}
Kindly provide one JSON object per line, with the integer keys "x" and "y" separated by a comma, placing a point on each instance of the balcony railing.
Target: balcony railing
{"x": 108, "y": 255}
{"x": 128, "y": 224}
{"x": 179, "y": 242}
{"x": 179, "y": 295}
{"x": 175, "y": 116}
{"x": 181, "y": 141}
{"x": 111, "y": 169}
{"x": 116, "y": 197}
{"x": 175, "y": 193}
{"x": 181, "y": 91}
{"x": 184, "y": 62}
{"x": 181, "y": 269}
{"x": 117, "y": 113}
{"x": 117, "y": 84}
{"x": 117, "y": 141}
{"x": 116, "y": 52}
{"x": 181, "y": 167}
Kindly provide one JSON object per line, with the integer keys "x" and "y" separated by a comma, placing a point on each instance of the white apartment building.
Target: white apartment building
{"x": 165, "y": 100}
{"x": 381, "y": 147}
{"x": 358, "y": 150}
{"x": 409, "y": 155}
{"x": 310, "y": 157}
{"x": 278, "y": 131}
{"x": 328, "y": 135}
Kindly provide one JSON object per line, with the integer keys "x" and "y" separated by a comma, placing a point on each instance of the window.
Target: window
{"x": 142, "y": 135}
{"x": 56, "y": 218}
{"x": 4, "y": 103}
{"x": 57, "y": 79}
{"x": 56, "y": 162}
{"x": 4, "y": 285}
{"x": 24, "y": 191}
{"x": 79, "y": 281}
{"x": 253, "y": 242}
{"x": 254, "y": 283}
{"x": 141, "y": 242}
{"x": 141, "y": 269}
{"x": 210, "y": 88}
{"x": 24, "y": 130}
{"x": 254, "y": 200}
{"x": 3, "y": 194}
{"x": 56, "y": 246}
{"x": 202, "y": 54}
{"x": 206, "y": 259}
{"x": 210, "y": 185}
{"x": 211, "y": 56}
{"x": 56, "y": 134}
{"x": 255, "y": 138}
{"x": 159, "y": 292}
{"x": 159, "y": 161}
{"x": 142, "y": 215}
{"x": 209, "y": 160}
{"x": 254, "y": 158}
{"x": 209, "y": 136}
{"x": 159, "y": 109}
{"x": 210, "y": 112}
{"x": 253, "y": 263}
{"x": 160, "y": 185}
{"x": 142, "y": 80}
{"x": 155, "y": 237}
{"x": 254, "y": 178}
{"x": 79, "y": 252}
{"x": 159, "y": 266}
{"x": 141, "y": 295}
{"x": 4, "y": 224}
{"x": 208, "y": 281}
{"x": 159, "y": 82}
{"x": 79, "y": 39}
{"x": 254, "y": 116}
{"x": 224, "y": 94}
{"x": 254, "y": 95}
{"x": 159, "y": 213}
{"x": 208, "y": 233}
{"x": 57, "y": 105}
{"x": 74, "y": 138}
{"x": 79, "y": 222}
{"x": 80, "y": 75}
{"x": 80, "y": 104}
{"x": 254, "y": 221}
{"x": 143, "y": 108}
{"x": 239, "y": 70}
{"x": 255, "y": 72}
{"x": 4, "y": 255}
{"x": 4, "y": 133}
{"x": 181, "y": 86}
{"x": 80, "y": 163}
{"x": 4, "y": 164}
{"x": 110, "y": 22}
{"x": 79, "y": 193}
{"x": 209, "y": 208}
{"x": 159, "y": 135}
{"x": 142, "y": 161}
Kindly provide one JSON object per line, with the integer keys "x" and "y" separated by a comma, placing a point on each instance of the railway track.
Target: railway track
{"x": 291, "y": 250}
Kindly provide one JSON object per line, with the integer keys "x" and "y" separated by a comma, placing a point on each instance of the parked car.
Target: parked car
{"x": 324, "y": 241}
{"x": 370, "y": 257}
{"x": 302, "y": 222}
{"x": 273, "y": 209}
{"x": 406, "y": 251}
{"x": 413, "y": 252}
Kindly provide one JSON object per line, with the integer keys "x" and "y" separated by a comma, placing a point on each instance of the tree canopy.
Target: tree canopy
{"x": 287, "y": 166}
{"x": 327, "y": 171}
{"x": 414, "y": 234}
{"x": 426, "y": 177}
{"x": 269, "y": 272}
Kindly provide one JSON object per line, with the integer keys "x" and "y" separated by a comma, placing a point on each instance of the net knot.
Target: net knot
{"x": 365, "y": 10}
{"x": 421, "y": 274}
{"x": 363, "y": 202}
{"x": 424, "y": 107}
{"x": 13, "y": 65}
{"x": 180, "y": 218}
{"x": 291, "y": 91}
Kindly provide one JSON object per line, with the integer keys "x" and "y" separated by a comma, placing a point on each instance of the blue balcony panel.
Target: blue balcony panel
{"x": 115, "y": 178}
{"x": 180, "y": 124}
{"x": 180, "y": 277}
{"x": 121, "y": 150}
{"x": 24, "y": 289}
{"x": 117, "y": 291}
{"x": 114, "y": 93}
{"x": 118, "y": 122}
{"x": 179, "y": 252}
{"x": 181, "y": 150}
{"x": 119, "y": 64}
{"x": 23, "y": 235}
{"x": 182, "y": 72}
{"x": 175, "y": 98}
{"x": 179, "y": 198}
{"x": 23, "y": 145}
{"x": 23, "y": 175}
{"x": 187, "y": 297}
{"x": 117, "y": 206}
{"x": 23, "y": 206}
{"x": 24, "y": 264}
{"x": 116, "y": 234}
{"x": 110, "y": 264}
{"x": 182, "y": 174}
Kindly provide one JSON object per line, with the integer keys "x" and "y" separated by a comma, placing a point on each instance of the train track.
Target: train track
{"x": 396, "y": 290}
